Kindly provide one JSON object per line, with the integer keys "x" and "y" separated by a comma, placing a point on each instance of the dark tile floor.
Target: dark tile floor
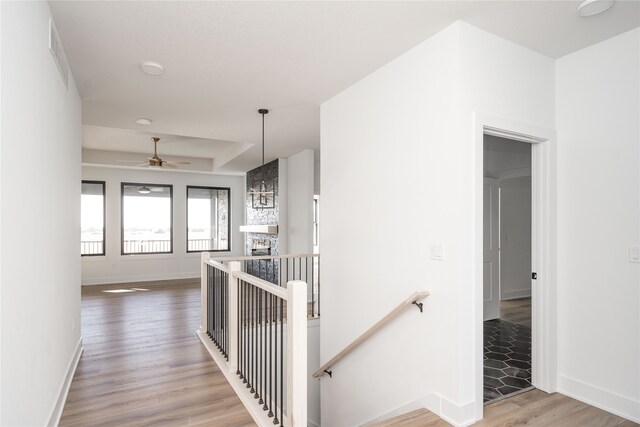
{"x": 507, "y": 358}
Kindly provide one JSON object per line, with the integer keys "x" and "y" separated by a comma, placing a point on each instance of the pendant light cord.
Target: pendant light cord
{"x": 263, "y": 111}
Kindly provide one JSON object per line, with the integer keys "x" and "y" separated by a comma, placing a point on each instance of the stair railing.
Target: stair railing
{"x": 256, "y": 332}
{"x": 413, "y": 299}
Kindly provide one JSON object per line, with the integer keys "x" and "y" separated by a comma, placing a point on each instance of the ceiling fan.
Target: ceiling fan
{"x": 157, "y": 162}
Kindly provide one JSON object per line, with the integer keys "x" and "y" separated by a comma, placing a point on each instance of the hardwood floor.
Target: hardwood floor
{"x": 532, "y": 408}
{"x": 143, "y": 364}
{"x": 516, "y": 311}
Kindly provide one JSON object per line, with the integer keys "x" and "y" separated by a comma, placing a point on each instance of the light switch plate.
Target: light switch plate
{"x": 435, "y": 252}
{"x": 634, "y": 253}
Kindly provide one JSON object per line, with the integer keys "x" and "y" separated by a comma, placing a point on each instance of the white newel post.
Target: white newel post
{"x": 204, "y": 257}
{"x": 296, "y": 354}
{"x": 233, "y": 316}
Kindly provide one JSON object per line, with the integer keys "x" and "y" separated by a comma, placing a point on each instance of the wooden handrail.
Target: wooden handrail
{"x": 415, "y": 297}
{"x": 262, "y": 257}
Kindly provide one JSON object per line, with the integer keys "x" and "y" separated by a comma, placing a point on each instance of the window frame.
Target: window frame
{"x": 228, "y": 189}
{"x": 148, "y": 184}
{"x": 104, "y": 216}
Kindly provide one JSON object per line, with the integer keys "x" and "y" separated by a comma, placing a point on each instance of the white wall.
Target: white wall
{"x": 398, "y": 175}
{"x": 515, "y": 237}
{"x": 40, "y": 211}
{"x": 300, "y": 180}
{"x": 598, "y": 120}
{"x": 117, "y": 268}
{"x": 505, "y": 80}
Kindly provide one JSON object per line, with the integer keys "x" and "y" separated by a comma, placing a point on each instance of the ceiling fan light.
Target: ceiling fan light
{"x": 152, "y": 68}
{"x": 593, "y": 7}
{"x": 143, "y": 121}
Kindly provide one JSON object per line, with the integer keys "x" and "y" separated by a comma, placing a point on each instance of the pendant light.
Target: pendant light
{"x": 263, "y": 185}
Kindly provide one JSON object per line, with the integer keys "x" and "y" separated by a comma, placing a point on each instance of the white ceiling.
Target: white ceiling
{"x": 224, "y": 60}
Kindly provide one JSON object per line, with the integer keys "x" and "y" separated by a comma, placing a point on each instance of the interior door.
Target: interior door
{"x": 491, "y": 257}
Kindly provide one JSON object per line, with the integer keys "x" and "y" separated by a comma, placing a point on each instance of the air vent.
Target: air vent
{"x": 55, "y": 47}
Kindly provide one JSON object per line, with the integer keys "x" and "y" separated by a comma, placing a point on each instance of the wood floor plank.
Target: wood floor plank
{"x": 532, "y": 408}
{"x": 143, "y": 365}
{"x": 516, "y": 311}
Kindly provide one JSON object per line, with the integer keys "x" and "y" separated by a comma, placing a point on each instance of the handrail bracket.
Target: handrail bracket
{"x": 419, "y": 304}
{"x": 330, "y": 373}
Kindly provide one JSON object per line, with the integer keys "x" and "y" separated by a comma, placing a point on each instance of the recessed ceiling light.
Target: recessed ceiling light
{"x": 593, "y": 7}
{"x": 152, "y": 68}
{"x": 143, "y": 121}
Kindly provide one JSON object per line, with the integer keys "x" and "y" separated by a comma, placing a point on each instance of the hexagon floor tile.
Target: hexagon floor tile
{"x": 507, "y": 358}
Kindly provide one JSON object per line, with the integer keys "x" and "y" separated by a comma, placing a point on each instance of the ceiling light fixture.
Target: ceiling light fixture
{"x": 144, "y": 190}
{"x": 593, "y": 7}
{"x": 265, "y": 197}
{"x": 144, "y": 122}
{"x": 263, "y": 111}
{"x": 152, "y": 68}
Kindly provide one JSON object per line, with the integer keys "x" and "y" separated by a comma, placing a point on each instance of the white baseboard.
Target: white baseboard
{"x": 138, "y": 278}
{"x": 259, "y": 416}
{"x": 520, "y": 293}
{"x": 600, "y": 398}
{"x": 457, "y": 415}
{"x": 428, "y": 401}
{"x": 56, "y": 412}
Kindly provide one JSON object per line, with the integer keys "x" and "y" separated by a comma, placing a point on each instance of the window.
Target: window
{"x": 208, "y": 225}
{"x": 147, "y": 218}
{"x": 92, "y": 211}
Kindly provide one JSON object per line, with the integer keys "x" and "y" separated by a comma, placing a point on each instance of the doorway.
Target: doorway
{"x": 507, "y": 269}
{"x": 543, "y": 247}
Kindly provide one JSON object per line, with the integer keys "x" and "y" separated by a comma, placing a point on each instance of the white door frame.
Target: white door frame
{"x": 543, "y": 250}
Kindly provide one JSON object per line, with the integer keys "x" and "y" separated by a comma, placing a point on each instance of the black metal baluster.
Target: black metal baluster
{"x": 263, "y": 389}
{"x": 211, "y": 296}
{"x": 275, "y": 407}
{"x": 270, "y": 414}
{"x": 216, "y": 308}
{"x": 239, "y": 325}
{"x": 207, "y": 302}
{"x": 224, "y": 315}
{"x": 281, "y": 362}
{"x": 251, "y": 345}
{"x": 244, "y": 334}
{"x": 259, "y": 383}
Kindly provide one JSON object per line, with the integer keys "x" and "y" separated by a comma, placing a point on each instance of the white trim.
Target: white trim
{"x": 517, "y": 294}
{"x": 543, "y": 253}
{"x": 259, "y": 416}
{"x": 457, "y": 415}
{"x": 163, "y": 170}
{"x": 600, "y": 398}
{"x": 58, "y": 407}
{"x": 113, "y": 280}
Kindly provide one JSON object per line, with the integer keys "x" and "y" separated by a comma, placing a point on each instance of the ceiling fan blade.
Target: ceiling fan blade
{"x": 176, "y": 163}
{"x": 141, "y": 164}
{"x": 128, "y": 161}
{"x": 168, "y": 165}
